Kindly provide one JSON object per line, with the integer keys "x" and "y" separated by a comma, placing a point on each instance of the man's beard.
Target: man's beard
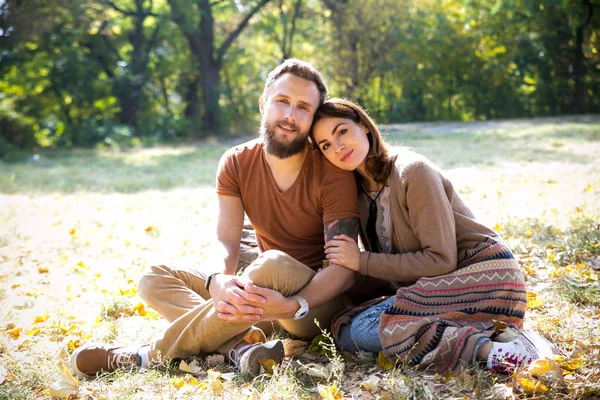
{"x": 278, "y": 149}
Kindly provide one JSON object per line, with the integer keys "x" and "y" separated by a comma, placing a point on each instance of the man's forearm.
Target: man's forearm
{"x": 327, "y": 284}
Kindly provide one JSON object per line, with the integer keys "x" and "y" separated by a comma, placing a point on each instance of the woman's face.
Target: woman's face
{"x": 343, "y": 142}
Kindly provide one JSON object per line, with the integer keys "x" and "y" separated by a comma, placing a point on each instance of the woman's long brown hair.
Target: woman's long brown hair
{"x": 378, "y": 162}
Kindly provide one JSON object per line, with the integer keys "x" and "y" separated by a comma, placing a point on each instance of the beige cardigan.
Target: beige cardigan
{"x": 432, "y": 229}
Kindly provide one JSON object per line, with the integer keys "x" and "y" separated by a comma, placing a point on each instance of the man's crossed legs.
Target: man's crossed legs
{"x": 180, "y": 297}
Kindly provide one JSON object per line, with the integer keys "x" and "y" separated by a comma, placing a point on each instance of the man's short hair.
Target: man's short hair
{"x": 301, "y": 69}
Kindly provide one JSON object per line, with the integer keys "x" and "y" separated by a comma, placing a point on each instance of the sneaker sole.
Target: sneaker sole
{"x": 270, "y": 351}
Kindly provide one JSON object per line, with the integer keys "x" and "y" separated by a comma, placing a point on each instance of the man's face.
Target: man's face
{"x": 287, "y": 114}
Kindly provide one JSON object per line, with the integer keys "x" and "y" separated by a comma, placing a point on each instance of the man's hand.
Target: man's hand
{"x": 232, "y": 302}
{"x": 277, "y": 305}
{"x": 343, "y": 251}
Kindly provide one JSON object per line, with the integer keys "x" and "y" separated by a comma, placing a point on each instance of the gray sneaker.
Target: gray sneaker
{"x": 246, "y": 358}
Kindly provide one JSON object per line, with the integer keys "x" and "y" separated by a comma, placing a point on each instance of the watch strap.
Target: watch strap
{"x": 208, "y": 279}
{"x": 303, "y": 310}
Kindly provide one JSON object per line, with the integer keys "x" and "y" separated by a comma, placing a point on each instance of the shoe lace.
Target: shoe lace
{"x": 236, "y": 355}
{"x": 121, "y": 360}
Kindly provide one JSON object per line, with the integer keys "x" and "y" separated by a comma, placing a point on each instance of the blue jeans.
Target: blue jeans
{"x": 362, "y": 333}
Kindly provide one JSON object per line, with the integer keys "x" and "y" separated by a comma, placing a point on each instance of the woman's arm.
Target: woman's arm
{"x": 431, "y": 219}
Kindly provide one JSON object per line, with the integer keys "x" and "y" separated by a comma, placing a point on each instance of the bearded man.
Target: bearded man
{"x": 296, "y": 201}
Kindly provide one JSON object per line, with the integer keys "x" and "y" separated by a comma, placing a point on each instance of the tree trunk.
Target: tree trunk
{"x": 578, "y": 72}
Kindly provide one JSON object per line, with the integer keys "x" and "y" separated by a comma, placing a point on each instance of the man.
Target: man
{"x": 296, "y": 201}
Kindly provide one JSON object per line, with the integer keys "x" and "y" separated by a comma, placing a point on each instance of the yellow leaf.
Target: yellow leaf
{"x": 572, "y": 364}
{"x": 73, "y": 232}
{"x": 498, "y": 227}
{"x": 178, "y": 382}
{"x": 43, "y": 270}
{"x": 543, "y": 366}
{"x": 214, "y": 381}
{"x": 330, "y": 392}
{"x": 588, "y": 188}
{"x": 268, "y": 364}
{"x": 140, "y": 309}
{"x": 152, "y": 231}
{"x": 533, "y": 301}
{"x": 41, "y": 318}
{"x": 529, "y": 271}
{"x": 529, "y": 386}
{"x": 73, "y": 344}
{"x": 16, "y": 285}
{"x": 33, "y": 332}
{"x": 383, "y": 362}
{"x": 14, "y": 333}
{"x": 66, "y": 386}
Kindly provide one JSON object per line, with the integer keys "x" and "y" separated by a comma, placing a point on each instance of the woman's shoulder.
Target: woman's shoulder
{"x": 408, "y": 161}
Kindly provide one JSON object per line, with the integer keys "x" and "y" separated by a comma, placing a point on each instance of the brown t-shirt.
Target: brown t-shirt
{"x": 291, "y": 221}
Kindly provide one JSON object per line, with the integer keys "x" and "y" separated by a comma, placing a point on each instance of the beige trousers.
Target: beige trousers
{"x": 180, "y": 297}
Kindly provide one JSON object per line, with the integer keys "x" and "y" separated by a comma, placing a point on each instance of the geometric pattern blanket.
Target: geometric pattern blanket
{"x": 435, "y": 323}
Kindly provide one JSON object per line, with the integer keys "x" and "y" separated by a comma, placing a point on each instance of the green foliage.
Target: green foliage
{"x": 124, "y": 72}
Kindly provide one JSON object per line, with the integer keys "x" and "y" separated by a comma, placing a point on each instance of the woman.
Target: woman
{"x": 456, "y": 276}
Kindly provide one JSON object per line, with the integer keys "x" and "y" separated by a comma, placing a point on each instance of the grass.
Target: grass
{"x": 78, "y": 228}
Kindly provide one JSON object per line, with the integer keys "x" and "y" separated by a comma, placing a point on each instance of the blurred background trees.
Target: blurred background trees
{"x": 83, "y": 73}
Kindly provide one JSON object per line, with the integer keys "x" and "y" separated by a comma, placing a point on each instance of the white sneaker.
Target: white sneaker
{"x": 246, "y": 358}
{"x": 528, "y": 346}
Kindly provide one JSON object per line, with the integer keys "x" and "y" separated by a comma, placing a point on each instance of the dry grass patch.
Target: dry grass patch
{"x": 77, "y": 230}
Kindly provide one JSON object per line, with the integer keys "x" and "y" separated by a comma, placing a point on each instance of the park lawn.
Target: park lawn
{"x": 78, "y": 228}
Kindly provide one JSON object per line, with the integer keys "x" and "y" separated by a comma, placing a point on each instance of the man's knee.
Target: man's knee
{"x": 147, "y": 283}
{"x": 278, "y": 270}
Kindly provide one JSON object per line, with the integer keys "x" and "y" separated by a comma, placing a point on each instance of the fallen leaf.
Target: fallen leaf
{"x": 73, "y": 344}
{"x": 14, "y": 333}
{"x": 212, "y": 360}
{"x": 193, "y": 367}
{"x": 43, "y": 270}
{"x": 317, "y": 345}
{"x": 293, "y": 348}
{"x": 383, "y": 362}
{"x": 371, "y": 385}
{"x": 41, "y": 318}
{"x": 73, "y": 232}
{"x": 330, "y": 392}
{"x": 214, "y": 381}
{"x": 268, "y": 364}
{"x": 66, "y": 385}
{"x": 33, "y": 332}
{"x": 533, "y": 301}
{"x": 3, "y": 374}
{"x": 318, "y": 370}
{"x": 140, "y": 309}
{"x": 530, "y": 386}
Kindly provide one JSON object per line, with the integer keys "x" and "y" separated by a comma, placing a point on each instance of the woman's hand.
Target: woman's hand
{"x": 343, "y": 250}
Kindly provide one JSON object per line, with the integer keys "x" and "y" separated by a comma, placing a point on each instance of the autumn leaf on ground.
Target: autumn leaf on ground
{"x": 317, "y": 346}
{"x": 530, "y": 386}
{"x": 330, "y": 392}
{"x": 41, "y": 318}
{"x": 193, "y": 367}
{"x": 533, "y": 301}
{"x": 43, "y": 270}
{"x": 152, "y": 231}
{"x": 371, "y": 385}
{"x": 14, "y": 333}
{"x": 214, "y": 381}
{"x": 66, "y": 385}
{"x": 383, "y": 362}
{"x": 268, "y": 364}
{"x": 293, "y": 348}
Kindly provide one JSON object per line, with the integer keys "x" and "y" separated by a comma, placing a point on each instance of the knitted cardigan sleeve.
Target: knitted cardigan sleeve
{"x": 424, "y": 207}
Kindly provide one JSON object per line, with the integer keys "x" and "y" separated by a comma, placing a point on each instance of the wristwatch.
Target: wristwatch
{"x": 208, "y": 279}
{"x": 303, "y": 310}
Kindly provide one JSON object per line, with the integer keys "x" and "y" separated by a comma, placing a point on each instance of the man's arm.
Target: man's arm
{"x": 327, "y": 284}
{"x": 225, "y": 288}
{"x": 334, "y": 280}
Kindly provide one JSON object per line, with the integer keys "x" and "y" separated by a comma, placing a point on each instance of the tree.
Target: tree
{"x": 199, "y": 28}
